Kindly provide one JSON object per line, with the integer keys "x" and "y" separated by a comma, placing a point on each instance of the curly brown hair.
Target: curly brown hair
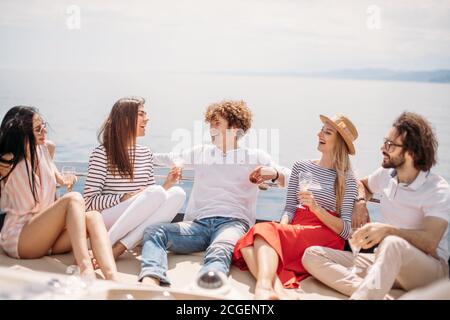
{"x": 236, "y": 112}
{"x": 418, "y": 138}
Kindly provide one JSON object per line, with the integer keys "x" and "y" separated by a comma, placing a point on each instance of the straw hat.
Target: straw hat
{"x": 346, "y": 129}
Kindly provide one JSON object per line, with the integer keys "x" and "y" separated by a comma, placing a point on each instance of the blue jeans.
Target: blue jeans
{"x": 217, "y": 235}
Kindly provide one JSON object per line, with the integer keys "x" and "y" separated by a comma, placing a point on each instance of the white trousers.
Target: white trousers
{"x": 128, "y": 220}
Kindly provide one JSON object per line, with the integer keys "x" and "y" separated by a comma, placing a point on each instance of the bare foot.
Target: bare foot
{"x": 285, "y": 294}
{"x": 118, "y": 249}
{"x": 88, "y": 274}
{"x": 264, "y": 290}
{"x": 95, "y": 264}
{"x": 149, "y": 281}
{"x": 262, "y": 293}
{"x": 113, "y": 277}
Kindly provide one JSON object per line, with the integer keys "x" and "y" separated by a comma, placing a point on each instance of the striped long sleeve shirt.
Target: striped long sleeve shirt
{"x": 322, "y": 189}
{"x": 103, "y": 190}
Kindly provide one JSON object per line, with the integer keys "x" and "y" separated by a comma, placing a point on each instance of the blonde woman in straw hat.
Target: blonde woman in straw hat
{"x": 318, "y": 215}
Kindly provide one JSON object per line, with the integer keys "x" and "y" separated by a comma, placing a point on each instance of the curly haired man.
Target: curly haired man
{"x": 222, "y": 205}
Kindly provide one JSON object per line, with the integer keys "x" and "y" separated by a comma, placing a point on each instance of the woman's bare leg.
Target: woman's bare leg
{"x": 267, "y": 262}
{"x": 249, "y": 255}
{"x": 101, "y": 246}
{"x": 41, "y": 233}
{"x": 63, "y": 245}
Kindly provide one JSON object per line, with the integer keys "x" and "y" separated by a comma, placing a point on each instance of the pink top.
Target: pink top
{"x": 16, "y": 195}
{"x": 18, "y": 202}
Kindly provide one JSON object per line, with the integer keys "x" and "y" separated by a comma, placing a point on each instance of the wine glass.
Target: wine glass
{"x": 67, "y": 173}
{"x": 305, "y": 180}
{"x": 355, "y": 250}
{"x": 179, "y": 164}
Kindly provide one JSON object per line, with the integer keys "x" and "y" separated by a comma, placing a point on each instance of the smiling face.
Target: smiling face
{"x": 219, "y": 129}
{"x": 142, "y": 121}
{"x": 327, "y": 138}
{"x": 39, "y": 129}
{"x": 394, "y": 155}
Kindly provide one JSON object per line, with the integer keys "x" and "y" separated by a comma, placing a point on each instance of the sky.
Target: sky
{"x": 224, "y": 36}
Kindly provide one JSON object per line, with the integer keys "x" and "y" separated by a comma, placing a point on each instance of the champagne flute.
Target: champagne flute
{"x": 179, "y": 164}
{"x": 67, "y": 173}
{"x": 355, "y": 250}
{"x": 305, "y": 180}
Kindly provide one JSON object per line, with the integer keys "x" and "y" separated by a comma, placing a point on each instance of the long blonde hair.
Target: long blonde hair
{"x": 342, "y": 166}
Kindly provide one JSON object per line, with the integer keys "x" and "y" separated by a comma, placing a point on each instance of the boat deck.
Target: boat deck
{"x": 182, "y": 271}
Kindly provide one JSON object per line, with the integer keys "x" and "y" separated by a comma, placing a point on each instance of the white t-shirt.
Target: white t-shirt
{"x": 221, "y": 180}
{"x": 405, "y": 206}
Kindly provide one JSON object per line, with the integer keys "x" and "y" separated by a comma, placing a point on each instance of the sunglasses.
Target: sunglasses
{"x": 41, "y": 128}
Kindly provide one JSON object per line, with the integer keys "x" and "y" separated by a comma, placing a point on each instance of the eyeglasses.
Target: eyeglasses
{"x": 41, "y": 128}
{"x": 390, "y": 146}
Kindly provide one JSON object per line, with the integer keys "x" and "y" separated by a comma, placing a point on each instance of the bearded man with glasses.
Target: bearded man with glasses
{"x": 412, "y": 247}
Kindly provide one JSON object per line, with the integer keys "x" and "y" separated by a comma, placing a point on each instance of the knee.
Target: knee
{"x": 177, "y": 193}
{"x": 154, "y": 233}
{"x": 392, "y": 243}
{"x": 74, "y": 198}
{"x": 94, "y": 218}
{"x": 221, "y": 248}
{"x": 156, "y": 193}
{"x": 310, "y": 256}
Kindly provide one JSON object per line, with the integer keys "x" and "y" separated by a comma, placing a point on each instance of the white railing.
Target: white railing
{"x": 263, "y": 186}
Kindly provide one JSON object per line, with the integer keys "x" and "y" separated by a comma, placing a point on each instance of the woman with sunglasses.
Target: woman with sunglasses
{"x": 121, "y": 183}
{"x": 36, "y": 224}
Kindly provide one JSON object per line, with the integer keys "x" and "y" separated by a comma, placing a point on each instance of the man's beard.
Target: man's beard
{"x": 394, "y": 163}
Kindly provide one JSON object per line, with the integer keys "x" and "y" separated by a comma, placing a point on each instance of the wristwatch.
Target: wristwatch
{"x": 360, "y": 199}
{"x": 276, "y": 178}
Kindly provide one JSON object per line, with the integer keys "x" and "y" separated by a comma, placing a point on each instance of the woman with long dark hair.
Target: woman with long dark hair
{"x": 36, "y": 224}
{"x": 121, "y": 183}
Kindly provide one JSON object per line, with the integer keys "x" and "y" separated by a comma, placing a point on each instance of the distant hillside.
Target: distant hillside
{"x": 435, "y": 76}
{"x": 439, "y": 76}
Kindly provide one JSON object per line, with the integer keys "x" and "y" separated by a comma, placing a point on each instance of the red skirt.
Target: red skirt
{"x": 290, "y": 242}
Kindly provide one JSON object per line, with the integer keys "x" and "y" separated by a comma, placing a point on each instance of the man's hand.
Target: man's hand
{"x": 261, "y": 174}
{"x": 360, "y": 215}
{"x": 371, "y": 234}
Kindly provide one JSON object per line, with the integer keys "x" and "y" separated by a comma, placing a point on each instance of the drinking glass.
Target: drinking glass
{"x": 305, "y": 180}
{"x": 67, "y": 172}
{"x": 179, "y": 163}
{"x": 355, "y": 250}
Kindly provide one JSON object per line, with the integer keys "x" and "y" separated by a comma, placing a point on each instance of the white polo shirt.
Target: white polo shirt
{"x": 405, "y": 206}
{"x": 221, "y": 180}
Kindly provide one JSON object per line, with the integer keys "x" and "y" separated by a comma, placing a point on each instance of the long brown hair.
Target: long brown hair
{"x": 118, "y": 134}
{"x": 342, "y": 166}
{"x": 418, "y": 138}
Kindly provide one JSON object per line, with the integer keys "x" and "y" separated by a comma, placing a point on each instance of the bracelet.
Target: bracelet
{"x": 276, "y": 178}
{"x": 360, "y": 199}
